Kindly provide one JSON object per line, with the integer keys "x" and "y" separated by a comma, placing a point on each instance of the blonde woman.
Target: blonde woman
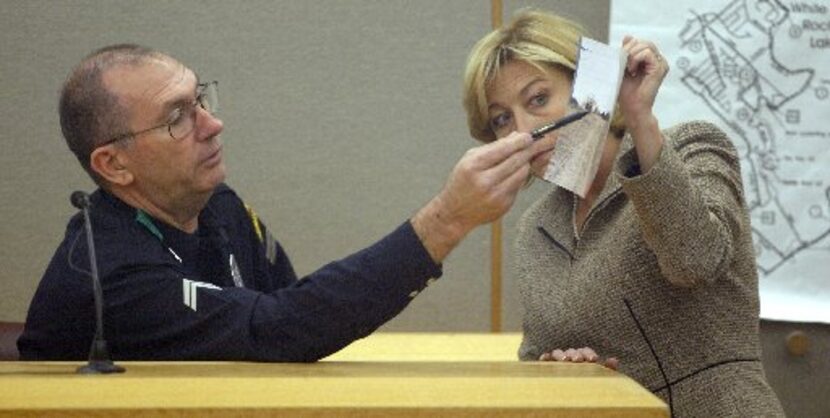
{"x": 655, "y": 266}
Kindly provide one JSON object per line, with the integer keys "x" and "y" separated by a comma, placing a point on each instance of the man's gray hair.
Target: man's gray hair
{"x": 89, "y": 113}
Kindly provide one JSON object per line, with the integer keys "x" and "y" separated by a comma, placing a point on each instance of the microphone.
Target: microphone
{"x": 79, "y": 199}
{"x": 99, "y": 356}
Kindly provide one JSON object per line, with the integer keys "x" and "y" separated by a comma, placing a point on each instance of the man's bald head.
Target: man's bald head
{"x": 90, "y": 114}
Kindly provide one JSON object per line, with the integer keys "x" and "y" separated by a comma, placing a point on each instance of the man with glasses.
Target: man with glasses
{"x": 188, "y": 271}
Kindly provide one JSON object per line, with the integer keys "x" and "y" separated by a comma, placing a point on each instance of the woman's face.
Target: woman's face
{"x": 523, "y": 98}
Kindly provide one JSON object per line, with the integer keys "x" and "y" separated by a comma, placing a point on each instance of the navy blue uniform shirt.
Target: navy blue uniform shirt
{"x": 226, "y": 292}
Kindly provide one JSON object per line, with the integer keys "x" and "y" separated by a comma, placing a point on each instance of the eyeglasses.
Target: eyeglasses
{"x": 182, "y": 120}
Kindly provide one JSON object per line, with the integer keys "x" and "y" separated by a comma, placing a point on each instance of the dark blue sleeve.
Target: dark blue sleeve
{"x": 157, "y": 314}
{"x": 345, "y": 300}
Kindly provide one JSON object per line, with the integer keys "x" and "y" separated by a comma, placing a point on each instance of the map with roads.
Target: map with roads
{"x": 760, "y": 69}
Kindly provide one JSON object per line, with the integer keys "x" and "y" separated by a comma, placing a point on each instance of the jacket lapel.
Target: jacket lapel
{"x": 555, "y": 219}
{"x": 557, "y": 212}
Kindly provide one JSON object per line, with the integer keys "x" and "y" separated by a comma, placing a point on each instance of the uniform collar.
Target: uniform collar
{"x": 157, "y": 228}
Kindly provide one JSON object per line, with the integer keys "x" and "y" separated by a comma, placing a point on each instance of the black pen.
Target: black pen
{"x": 573, "y": 117}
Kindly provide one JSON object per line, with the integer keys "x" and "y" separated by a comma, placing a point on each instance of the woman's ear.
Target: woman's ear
{"x": 107, "y": 162}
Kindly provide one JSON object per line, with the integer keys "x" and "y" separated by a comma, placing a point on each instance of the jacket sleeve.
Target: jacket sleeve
{"x": 690, "y": 205}
{"x": 166, "y": 316}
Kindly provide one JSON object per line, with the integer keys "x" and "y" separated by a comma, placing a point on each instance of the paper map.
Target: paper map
{"x": 761, "y": 71}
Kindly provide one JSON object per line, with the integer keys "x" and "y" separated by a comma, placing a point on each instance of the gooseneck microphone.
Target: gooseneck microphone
{"x": 99, "y": 356}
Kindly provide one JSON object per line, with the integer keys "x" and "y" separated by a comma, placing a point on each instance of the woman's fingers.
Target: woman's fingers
{"x": 589, "y": 354}
{"x": 579, "y": 355}
{"x": 574, "y": 355}
{"x": 643, "y": 56}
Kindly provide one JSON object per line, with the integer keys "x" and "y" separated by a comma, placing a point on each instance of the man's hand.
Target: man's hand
{"x": 480, "y": 189}
{"x": 579, "y": 355}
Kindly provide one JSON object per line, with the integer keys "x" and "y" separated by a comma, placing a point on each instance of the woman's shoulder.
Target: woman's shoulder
{"x": 697, "y": 131}
{"x": 695, "y": 137}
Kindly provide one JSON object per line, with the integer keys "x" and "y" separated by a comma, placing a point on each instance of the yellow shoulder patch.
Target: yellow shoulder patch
{"x": 254, "y": 221}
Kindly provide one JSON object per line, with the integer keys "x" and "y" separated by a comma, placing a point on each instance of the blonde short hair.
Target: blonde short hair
{"x": 538, "y": 38}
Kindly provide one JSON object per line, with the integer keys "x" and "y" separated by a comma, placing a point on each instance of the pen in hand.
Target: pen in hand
{"x": 573, "y": 117}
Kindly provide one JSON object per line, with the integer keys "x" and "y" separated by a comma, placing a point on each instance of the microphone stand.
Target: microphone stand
{"x": 99, "y": 361}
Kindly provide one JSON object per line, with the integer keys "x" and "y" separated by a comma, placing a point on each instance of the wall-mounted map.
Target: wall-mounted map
{"x": 761, "y": 70}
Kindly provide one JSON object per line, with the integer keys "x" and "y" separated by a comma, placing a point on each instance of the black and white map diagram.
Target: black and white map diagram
{"x": 760, "y": 69}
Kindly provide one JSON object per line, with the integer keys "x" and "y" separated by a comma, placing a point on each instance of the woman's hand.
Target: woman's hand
{"x": 579, "y": 355}
{"x": 644, "y": 73}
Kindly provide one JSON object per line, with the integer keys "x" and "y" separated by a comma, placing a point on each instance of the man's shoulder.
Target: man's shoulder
{"x": 231, "y": 211}
{"x": 121, "y": 239}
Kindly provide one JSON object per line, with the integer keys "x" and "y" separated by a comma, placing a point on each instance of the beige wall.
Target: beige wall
{"x": 341, "y": 119}
{"x": 802, "y": 382}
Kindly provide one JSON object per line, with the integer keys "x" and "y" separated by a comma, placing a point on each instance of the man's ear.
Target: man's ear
{"x": 108, "y": 163}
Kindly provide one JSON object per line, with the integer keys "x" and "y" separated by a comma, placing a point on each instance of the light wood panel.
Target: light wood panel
{"x": 394, "y": 389}
{"x": 385, "y": 375}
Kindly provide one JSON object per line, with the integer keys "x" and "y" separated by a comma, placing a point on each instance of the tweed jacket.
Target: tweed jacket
{"x": 661, "y": 275}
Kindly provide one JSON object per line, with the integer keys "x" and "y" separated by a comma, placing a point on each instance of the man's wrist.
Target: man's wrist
{"x": 438, "y": 231}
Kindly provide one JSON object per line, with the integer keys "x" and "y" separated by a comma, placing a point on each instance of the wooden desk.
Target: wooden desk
{"x": 341, "y": 386}
{"x": 420, "y": 346}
